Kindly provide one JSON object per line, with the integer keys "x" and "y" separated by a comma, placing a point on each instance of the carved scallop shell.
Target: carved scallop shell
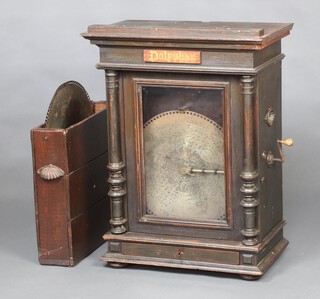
{"x": 50, "y": 172}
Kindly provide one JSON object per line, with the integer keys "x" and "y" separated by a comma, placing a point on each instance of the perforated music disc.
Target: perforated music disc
{"x": 175, "y": 140}
{"x": 69, "y": 105}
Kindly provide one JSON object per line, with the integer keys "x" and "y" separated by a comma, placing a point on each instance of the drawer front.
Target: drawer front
{"x": 180, "y": 253}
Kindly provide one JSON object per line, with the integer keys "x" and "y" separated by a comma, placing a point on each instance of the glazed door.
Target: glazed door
{"x": 180, "y": 136}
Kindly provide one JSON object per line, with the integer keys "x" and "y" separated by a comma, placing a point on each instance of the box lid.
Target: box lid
{"x": 238, "y": 35}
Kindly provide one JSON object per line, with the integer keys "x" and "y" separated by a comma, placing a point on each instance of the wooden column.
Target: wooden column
{"x": 115, "y": 161}
{"x": 249, "y": 173}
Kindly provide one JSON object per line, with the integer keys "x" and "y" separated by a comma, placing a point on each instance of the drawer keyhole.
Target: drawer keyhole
{"x": 180, "y": 253}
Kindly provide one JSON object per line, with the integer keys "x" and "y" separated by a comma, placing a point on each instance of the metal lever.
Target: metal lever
{"x": 269, "y": 157}
{"x": 192, "y": 171}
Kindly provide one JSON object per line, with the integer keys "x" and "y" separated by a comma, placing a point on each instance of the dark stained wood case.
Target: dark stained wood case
{"x": 242, "y": 59}
{"x": 71, "y": 211}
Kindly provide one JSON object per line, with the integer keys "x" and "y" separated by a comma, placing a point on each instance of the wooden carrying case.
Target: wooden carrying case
{"x": 72, "y": 210}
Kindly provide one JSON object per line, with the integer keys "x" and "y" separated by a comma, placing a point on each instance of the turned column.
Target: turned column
{"x": 249, "y": 174}
{"x": 116, "y": 164}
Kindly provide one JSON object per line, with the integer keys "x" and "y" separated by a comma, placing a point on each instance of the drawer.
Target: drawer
{"x": 180, "y": 253}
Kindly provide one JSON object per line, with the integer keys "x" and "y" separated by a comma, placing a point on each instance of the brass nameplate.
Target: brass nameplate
{"x": 172, "y": 56}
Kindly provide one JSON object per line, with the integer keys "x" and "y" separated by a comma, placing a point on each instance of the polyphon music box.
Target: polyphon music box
{"x": 195, "y": 146}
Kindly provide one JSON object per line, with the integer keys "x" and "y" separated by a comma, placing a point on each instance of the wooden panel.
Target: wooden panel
{"x": 52, "y": 222}
{"x": 241, "y": 35}
{"x": 266, "y": 54}
{"x": 88, "y": 228}
{"x": 83, "y": 144}
{"x": 49, "y": 147}
{"x": 180, "y": 253}
{"x": 212, "y": 61}
{"x": 270, "y": 193}
{"x": 99, "y": 106}
{"x": 87, "y": 185}
{"x": 135, "y": 56}
{"x": 73, "y": 147}
{"x": 276, "y": 239}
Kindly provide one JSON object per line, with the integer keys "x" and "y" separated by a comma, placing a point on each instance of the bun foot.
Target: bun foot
{"x": 249, "y": 277}
{"x": 117, "y": 265}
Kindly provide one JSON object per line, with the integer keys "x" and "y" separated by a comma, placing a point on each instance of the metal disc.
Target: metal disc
{"x": 174, "y": 140}
{"x": 69, "y": 105}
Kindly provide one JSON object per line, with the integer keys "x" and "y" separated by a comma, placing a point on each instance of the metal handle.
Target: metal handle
{"x": 192, "y": 171}
{"x": 50, "y": 172}
{"x": 269, "y": 157}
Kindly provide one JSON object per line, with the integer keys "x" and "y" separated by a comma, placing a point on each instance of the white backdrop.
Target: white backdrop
{"x": 41, "y": 47}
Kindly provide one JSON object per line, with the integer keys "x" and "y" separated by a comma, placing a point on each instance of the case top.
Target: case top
{"x": 226, "y": 34}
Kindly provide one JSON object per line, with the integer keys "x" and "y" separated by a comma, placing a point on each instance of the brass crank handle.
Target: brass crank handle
{"x": 269, "y": 157}
{"x": 193, "y": 171}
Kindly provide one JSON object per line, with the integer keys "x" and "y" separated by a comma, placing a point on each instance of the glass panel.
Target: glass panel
{"x": 184, "y": 153}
